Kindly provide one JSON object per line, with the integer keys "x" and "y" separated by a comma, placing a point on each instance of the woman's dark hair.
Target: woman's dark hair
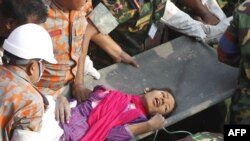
{"x": 20, "y": 10}
{"x": 170, "y": 92}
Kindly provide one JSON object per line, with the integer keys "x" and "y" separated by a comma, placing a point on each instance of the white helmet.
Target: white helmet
{"x": 30, "y": 41}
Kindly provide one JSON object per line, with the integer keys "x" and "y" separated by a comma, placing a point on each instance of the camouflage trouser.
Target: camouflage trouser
{"x": 204, "y": 136}
{"x": 240, "y": 107}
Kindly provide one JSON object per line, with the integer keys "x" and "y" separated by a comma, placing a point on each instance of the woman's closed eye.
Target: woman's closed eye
{"x": 166, "y": 109}
{"x": 163, "y": 95}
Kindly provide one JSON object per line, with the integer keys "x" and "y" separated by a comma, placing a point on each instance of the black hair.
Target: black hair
{"x": 10, "y": 59}
{"x": 171, "y": 93}
{"x": 20, "y": 10}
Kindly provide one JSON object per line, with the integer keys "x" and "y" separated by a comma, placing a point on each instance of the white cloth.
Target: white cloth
{"x": 214, "y": 8}
{"x": 89, "y": 69}
{"x": 214, "y": 33}
{"x": 50, "y": 130}
{"x": 183, "y": 23}
{"x": 26, "y": 135}
{"x": 1, "y": 55}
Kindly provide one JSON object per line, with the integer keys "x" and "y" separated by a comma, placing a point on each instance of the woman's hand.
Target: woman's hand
{"x": 156, "y": 122}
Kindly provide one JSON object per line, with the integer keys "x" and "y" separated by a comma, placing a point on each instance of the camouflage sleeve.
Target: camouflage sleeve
{"x": 29, "y": 117}
{"x": 204, "y": 136}
{"x": 229, "y": 50}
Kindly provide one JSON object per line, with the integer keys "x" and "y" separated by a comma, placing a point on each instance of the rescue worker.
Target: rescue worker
{"x": 22, "y": 106}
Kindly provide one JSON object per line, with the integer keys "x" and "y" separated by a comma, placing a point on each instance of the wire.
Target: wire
{"x": 176, "y": 132}
{"x": 170, "y": 132}
{"x": 156, "y": 133}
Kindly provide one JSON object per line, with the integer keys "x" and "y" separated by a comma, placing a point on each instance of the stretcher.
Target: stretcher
{"x": 190, "y": 68}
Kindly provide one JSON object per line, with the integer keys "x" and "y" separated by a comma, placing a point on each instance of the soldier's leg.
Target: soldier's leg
{"x": 204, "y": 136}
{"x": 240, "y": 108}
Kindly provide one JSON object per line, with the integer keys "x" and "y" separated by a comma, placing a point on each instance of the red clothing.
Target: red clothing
{"x": 109, "y": 114}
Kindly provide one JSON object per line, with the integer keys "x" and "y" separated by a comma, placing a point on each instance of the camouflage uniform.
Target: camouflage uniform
{"x": 230, "y": 5}
{"x": 204, "y": 136}
{"x": 234, "y": 50}
{"x": 134, "y": 22}
{"x": 21, "y": 107}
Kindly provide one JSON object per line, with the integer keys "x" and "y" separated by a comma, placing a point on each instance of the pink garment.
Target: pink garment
{"x": 136, "y": 99}
{"x": 108, "y": 114}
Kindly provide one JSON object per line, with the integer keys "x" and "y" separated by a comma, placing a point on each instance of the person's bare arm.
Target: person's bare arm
{"x": 78, "y": 89}
{"x": 156, "y": 122}
{"x": 200, "y": 10}
{"x": 106, "y": 43}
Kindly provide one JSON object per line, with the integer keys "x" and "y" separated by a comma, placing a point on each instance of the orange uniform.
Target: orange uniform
{"x": 66, "y": 30}
{"x": 21, "y": 105}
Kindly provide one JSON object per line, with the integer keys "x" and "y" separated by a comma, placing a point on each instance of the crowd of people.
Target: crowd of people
{"x": 44, "y": 46}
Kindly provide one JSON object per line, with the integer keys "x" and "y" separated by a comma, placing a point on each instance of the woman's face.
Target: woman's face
{"x": 158, "y": 101}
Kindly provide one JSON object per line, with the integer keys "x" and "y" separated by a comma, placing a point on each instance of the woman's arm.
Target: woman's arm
{"x": 138, "y": 126}
{"x": 156, "y": 122}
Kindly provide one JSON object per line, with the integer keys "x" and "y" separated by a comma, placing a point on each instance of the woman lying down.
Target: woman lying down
{"x": 110, "y": 115}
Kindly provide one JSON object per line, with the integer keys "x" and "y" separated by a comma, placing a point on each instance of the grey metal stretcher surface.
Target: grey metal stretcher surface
{"x": 191, "y": 69}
